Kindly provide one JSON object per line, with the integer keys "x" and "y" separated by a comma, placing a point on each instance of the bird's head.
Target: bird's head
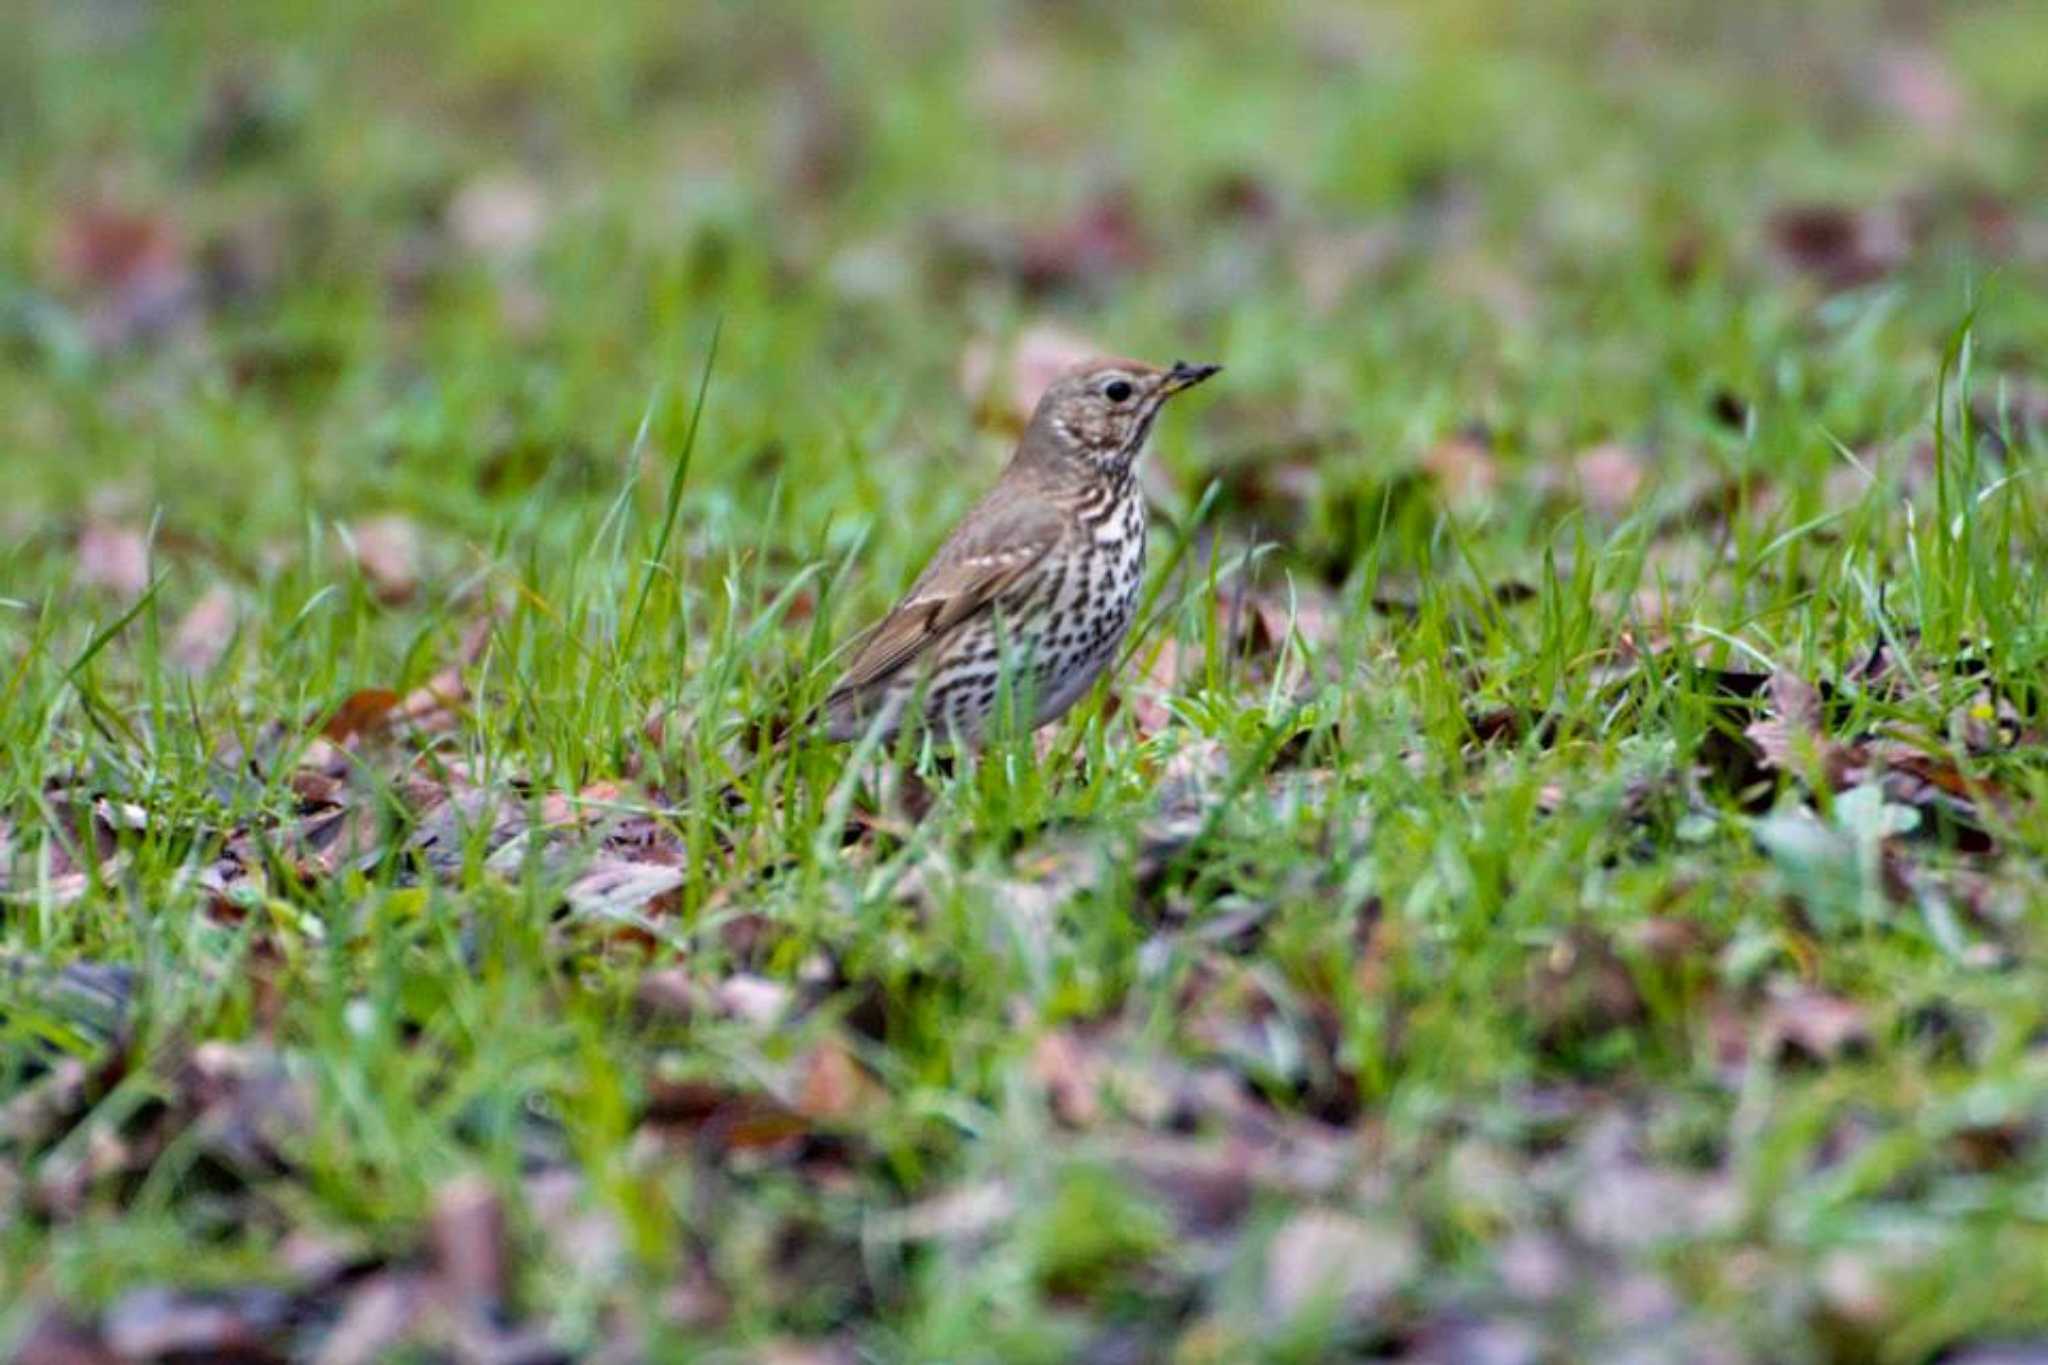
{"x": 1100, "y": 412}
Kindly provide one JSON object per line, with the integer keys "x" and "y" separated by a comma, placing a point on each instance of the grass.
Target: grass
{"x": 1436, "y": 919}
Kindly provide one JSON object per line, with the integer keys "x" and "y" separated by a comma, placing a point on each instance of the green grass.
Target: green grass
{"x": 1452, "y": 902}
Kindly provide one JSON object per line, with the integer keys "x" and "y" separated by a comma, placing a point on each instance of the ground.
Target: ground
{"x": 1558, "y": 875}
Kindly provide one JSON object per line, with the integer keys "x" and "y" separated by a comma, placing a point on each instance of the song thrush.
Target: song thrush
{"x": 1030, "y": 596}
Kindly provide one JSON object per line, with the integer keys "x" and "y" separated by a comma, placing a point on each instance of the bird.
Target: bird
{"x": 1028, "y": 599}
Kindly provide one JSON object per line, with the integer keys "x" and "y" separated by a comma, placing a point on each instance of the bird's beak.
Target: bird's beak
{"x": 1186, "y": 376}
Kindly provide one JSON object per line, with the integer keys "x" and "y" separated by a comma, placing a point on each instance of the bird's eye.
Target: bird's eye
{"x": 1116, "y": 390}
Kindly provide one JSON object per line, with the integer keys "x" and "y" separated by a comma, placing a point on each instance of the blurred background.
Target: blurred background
{"x": 261, "y": 260}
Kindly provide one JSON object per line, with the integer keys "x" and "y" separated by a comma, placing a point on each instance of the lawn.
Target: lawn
{"x": 1561, "y": 872}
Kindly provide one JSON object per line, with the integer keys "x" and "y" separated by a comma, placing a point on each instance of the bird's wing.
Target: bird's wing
{"x": 986, "y": 558}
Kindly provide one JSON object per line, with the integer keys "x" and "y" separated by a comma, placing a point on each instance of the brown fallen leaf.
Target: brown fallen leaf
{"x": 327, "y": 841}
{"x": 1322, "y": 1256}
{"x": 1613, "y": 1192}
{"x": 1812, "y": 1025}
{"x": 2021, "y": 1351}
{"x": 1455, "y": 1339}
{"x": 1147, "y": 698}
{"x": 434, "y": 706}
{"x": 1534, "y": 1267}
{"x": 83, "y": 843}
{"x": 55, "y": 1337}
{"x": 245, "y": 1104}
{"x": 1609, "y": 476}
{"x": 721, "y": 1119}
{"x": 1071, "y": 1077}
{"x": 1837, "y": 246}
{"x": 379, "y": 1314}
{"x": 958, "y": 1214}
{"x": 470, "y": 1251}
{"x": 614, "y": 887}
{"x": 203, "y": 634}
{"x": 671, "y": 993}
{"x": 361, "y": 713}
{"x": 1581, "y": 988}
{"x": 1260, "y": 620}
{"x": 168, "y": 1324}
{"x": 1463, "y": 466}
{"x": 114, "y": 558}
{"x": 1918, "y": 84}
{"x": 834, "y": 1086}
{"x": 315, "y": 1256}
{"x": 1040, "y": 354}
{"x": 387, "y": 551}
{"x": 130, "y": 268}
{"x": 755, "y": 999}
{"x": 498, "y": 217}
{"x": 37, "y": 1114}
{"x": 790, "y": 1351}
{"x": 1101, "y": 240}
{"x": 1242, "y": 196}
{"x": 1792, "y": 737}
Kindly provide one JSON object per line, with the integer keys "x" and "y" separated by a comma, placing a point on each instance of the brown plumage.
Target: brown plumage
{"x": 1040, "y": 577}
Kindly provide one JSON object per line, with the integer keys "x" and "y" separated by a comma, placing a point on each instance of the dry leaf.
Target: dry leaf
{"x": 380, "y": 1313}
{"x": 500, "y": 217}
{"x": 328, "y": 841}
{"x": 362, "y": 713}
{"x": 1609, "y": 476}
{"x": 614, "y": 887}
{"x": 387, "y": 550}
{"x": 1042, "y": 354}
{"x": 1792, "y": 738}
{"x": 1609, "y": 1206}
{"x": 1323, "y": 1256}
{"x": 754, "y": 999}
{"x": 722, "y": 1119}
{"x": 1070, "y": 1076}
{"x": 202, "y": 636}
{"x": 1463, "y": 465}
{"x": 671, "y": 993}
{"x": 1840, "y": 247}
{"x": 1802, "y": 1022}
{"x": 1103, "y": 239}
{"x": 54, "y": 1337}
{"x": 1917, "y": 82}
{"x": 169, "y": 1324}
{"x": 789, "y": 1351}
{"x": 466, "y": 1231}
{"x": 432, "y": 706}
{"x": 131, "y": 268}
{"x": 963, "y": 1212}
{"x": 834, "y": 1085}
{"x": 1209, "y": 1186}
{"x": 1581, "y": 988}
{"x": 247, "y": 1107}
{"x": 114, "y": 558}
